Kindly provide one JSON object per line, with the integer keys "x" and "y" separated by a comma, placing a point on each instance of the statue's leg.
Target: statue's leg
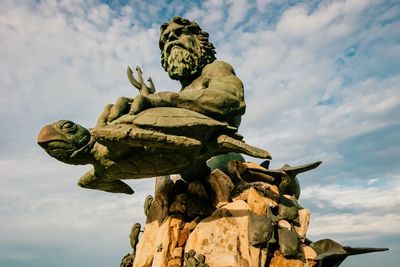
{"x": 121, "y": 107}
{"x": 112, "y": 112}
{"x": 91, "y": 181}
{"x": 103, "y": 118}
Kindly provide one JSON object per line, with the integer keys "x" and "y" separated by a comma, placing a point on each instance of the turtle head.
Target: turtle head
{"x": 66, "y": 141}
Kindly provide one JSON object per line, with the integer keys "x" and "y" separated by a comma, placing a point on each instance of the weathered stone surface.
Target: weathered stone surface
{"x": 179, "y": 204}
{"x": 308, "y": 252}
{"x": 163, "y": 190}
{"x": 242, "y": 196}
{"x": 268, "y": 191}
{"x": 253, "y": 165}
{"x": 177, "y": 262}
{"x": 284, "y": 224}
{"x": 273, "y": 188}
{"x": 258, "y": 256}
{"x": 258, "y": 203}
{"x": 177, "y": 252}
{"x": 279, "y": 261}
{"x": 197, "y": 189}
{"x": 183, "y": 235}
{"x": 222, "y": 237}
{"x": 304, "y": 221}
{"x": 221, "y": 185}
{"x": 166, "y": 240}
{"x": 198, "y": 207}
{"x": 147, "y": 246}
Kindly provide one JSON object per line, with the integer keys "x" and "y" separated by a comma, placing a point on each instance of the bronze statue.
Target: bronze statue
{"x": 157, "y": 134}
{"x": 332, "y": 254}
{"x": 137, "y": 150}
{"x": 160, "y": 133}
{"x": 261, "y": 228}
{"x": 127, "y": 260}
{"x": 134, "y": 236}
{"x": 189, "y": 259}
{"x": 209, "y": 87}
{"x": 147, "y": 204}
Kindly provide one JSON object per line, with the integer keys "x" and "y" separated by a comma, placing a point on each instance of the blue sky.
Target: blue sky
{"x": 322, "y": 82}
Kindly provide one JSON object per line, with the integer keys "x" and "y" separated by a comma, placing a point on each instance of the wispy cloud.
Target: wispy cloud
{"x": 321, "y": 80}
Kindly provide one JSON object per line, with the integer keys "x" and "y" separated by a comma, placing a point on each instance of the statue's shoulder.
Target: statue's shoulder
{"x": 218, "y": 69}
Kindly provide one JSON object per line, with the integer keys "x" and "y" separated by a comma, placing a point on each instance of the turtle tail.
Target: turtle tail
{"x": 239, "y": 146}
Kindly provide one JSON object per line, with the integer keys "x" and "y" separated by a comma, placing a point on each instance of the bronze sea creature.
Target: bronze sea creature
{"x": 155, "y": 142}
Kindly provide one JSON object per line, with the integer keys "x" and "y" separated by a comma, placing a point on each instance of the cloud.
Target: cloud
{"x": 45, "y": 212}
{"x": 237, "y": 12}
{"x": 354, "y": 215}
{"x": 321, "y": 83}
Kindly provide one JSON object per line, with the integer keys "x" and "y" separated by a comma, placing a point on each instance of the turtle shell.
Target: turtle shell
{"x": 163, "y": 127}
{"x": 176, "y": 121}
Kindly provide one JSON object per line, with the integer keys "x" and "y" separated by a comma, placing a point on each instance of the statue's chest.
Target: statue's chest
{"x": 197, "y": 84}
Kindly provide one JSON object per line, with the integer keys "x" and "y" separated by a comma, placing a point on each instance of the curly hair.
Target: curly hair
{"x": 207, "y": 49}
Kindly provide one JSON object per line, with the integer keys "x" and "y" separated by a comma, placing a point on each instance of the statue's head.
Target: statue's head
{"x": 185, "y": 48}
{"x": 65, "y": 141}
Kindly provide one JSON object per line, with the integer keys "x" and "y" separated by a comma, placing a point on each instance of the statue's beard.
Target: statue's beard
{"x": 182, "y": 64}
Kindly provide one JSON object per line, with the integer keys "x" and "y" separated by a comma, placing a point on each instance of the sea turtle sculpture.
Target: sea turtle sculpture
{"x": 157, "y": 141}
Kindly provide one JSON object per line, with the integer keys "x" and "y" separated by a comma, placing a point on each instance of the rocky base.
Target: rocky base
{"x": 224, "y": 221}
{"x": 248, "y": 217}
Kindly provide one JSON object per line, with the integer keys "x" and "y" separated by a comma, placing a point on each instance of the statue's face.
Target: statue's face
{"x": 62, "y": 138}
{"x": 181, "y": 51}
{"x": 178, "y": 36}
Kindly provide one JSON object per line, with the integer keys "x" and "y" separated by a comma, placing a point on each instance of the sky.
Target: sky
{"x": 322, "y": 82}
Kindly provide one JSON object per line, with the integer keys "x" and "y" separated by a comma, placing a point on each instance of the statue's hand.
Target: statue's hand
{"x": 139, "y": 104}
{"x": 114, "y": 111}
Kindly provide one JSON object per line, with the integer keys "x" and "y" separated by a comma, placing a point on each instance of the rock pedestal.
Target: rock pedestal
{"x": 224, "y": 220}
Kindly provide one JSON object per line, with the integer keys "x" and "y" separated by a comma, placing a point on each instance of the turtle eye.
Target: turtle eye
{"x": 68, "y": 126}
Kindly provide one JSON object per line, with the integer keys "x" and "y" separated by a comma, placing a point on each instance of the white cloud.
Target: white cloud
{"x": 42, "y": 206}
{"x": 329, "y": 21}
{"x": 237, "y": 12}
{"x": 315, "y": 78}
{"x": 262, "y": 4}
{"x": 352, "y": 213}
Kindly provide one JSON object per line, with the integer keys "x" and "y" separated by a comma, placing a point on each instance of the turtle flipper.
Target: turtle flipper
{"x": 91, "y": 181}
{"x": 239, "y": 146}
{"x": 131, "y": 136}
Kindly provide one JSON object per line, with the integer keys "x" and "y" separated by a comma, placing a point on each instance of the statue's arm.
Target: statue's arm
{"x": 220, "y": 95}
